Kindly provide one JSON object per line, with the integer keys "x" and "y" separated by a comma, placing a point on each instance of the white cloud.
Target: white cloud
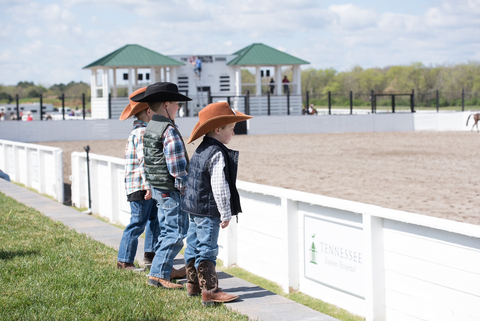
{"x": 348, "y": 17}
{"x": 68, "y": 34}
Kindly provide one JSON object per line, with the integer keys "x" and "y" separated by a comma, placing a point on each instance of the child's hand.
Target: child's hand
{"x": 224, "y": 224}
{"x": 148, "y": 195}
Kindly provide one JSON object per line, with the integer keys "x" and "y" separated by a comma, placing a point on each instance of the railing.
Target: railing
{"x": 376, "y": 262}
{"x": 36, "y": 166}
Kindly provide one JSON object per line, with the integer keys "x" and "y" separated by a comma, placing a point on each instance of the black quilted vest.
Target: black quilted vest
{"x": 199, "y": 198}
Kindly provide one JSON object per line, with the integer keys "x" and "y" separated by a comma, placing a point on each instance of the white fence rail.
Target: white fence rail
{"x": 379, "y": 263}
{"x": 36, "y": 166}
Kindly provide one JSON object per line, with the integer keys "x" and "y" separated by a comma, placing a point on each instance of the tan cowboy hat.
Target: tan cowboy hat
{"x": 214, "y": 116}
{"x": 133, "y": 107}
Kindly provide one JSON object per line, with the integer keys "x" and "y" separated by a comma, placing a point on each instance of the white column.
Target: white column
{"x": 153, "y": 75}
{"x": 173, "y": 75}
{"x": 93, "y": 83}
{"x": 136, "y": 78}
{"x": 374, "y": 268}
{"x": 297, "y": 79}
{"x": 105, "y": 84}
{"x": 238, "y": 81}
{"x": 130, "y": 87}
{"x": 114, "y": 82}
{"x": 258, "y": 81}
{"x": 278, "y": 80}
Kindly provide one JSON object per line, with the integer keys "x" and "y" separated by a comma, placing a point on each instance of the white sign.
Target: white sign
{"x": 334, "y": 255}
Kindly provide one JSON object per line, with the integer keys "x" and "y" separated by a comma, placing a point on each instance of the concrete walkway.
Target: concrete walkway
{"x": 255, "y": 302}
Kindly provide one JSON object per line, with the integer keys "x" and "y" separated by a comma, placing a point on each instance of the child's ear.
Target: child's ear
{"x": 217, "y": 131}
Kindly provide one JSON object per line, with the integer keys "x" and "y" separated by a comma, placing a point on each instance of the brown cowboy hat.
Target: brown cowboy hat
{"x": 159, "y": 92}
{"x": 133, "y": 107}
{"x": 214, "y": 116}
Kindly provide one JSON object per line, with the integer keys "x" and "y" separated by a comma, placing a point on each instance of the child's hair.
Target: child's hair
{"x": 139, "y": 114}
{"x": 155, "y": 105}
{"x": 210, "y": 133}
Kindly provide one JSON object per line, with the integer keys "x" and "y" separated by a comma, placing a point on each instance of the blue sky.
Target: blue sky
{"x": 49, "y": 42}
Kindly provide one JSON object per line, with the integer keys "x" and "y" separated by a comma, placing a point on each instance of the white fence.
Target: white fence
{"x": 379, "y": 263}
{"x": 104, "y": 129}
{"x": 36, "y": 166}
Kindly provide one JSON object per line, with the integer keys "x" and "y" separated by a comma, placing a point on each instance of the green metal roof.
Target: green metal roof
{"x": 134, "y": 56}
{"x": 260, "y": 54}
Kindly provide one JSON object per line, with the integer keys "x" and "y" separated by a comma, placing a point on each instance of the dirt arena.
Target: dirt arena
{"x": 431, "y": 173}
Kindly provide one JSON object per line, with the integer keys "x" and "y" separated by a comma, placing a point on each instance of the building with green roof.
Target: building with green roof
{"x": 133, "y": 66}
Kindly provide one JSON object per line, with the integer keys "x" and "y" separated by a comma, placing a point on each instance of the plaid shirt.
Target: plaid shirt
{"x": 135, "y": 179}
{"x": 176, "y": 158}
{"x": 220, "y": 189}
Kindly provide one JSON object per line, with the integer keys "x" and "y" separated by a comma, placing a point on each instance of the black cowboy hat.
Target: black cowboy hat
{"x": 160, "y": 91}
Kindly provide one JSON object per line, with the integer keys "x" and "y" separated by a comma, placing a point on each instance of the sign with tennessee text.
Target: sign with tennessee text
{"x": 334, "y": 255}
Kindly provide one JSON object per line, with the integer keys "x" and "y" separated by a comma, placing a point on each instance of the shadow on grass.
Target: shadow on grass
{"x": 8, "y": 255}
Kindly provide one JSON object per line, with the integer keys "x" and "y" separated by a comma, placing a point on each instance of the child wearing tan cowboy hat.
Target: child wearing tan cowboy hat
{"x": 166, "y": 164}
{"x": 142, "y": 207}
{"x": 211, "y": 198}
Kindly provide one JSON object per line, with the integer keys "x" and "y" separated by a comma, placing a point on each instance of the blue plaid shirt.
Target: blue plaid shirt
{"x": 176, "y": 158}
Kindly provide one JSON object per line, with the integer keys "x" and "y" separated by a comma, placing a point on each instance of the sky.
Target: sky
{"x": 49, "y": 42}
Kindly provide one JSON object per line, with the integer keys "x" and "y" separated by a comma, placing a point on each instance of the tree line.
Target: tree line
{"x": 449, "y": 80}
{"x": 26, "y": 90}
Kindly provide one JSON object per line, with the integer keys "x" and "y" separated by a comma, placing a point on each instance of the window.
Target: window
{"x": 224, "y": 83}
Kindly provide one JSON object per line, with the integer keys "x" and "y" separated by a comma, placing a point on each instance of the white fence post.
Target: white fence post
{"x": 230, "y": 245}
{"x": 289, "y": 261}
{"x": 374, "y": 268}
{"x": 41, "y": 172}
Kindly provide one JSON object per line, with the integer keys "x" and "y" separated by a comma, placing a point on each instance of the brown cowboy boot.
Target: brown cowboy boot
{"x": 178, "y": 274}
{"x": 208, "y": 281}
{"x": 129, "y": 266}
{"x": 193, "y": 288}
{"x": 148, "y": 258}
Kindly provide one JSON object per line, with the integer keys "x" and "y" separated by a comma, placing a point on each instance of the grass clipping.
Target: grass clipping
{"x": 49, "y": 271}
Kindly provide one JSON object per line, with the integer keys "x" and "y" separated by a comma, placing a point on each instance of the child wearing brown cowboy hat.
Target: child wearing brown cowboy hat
{"x": 142, "y": 207}
{"x": 211, "y": 198}
{"x": 166, "y": 165}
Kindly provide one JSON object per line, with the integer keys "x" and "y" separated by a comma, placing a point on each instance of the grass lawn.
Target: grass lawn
{"x": 50, "y": 272}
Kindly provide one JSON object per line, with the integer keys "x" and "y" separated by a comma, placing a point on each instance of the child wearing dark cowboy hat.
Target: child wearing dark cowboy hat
{"x": 211, "y": 198}
{"x": 166, "y": 164}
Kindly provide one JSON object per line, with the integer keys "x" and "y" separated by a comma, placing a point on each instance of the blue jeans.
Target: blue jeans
{"x": 144, "y": 217}
{"x": 202, "y": 239}
{"x": 4, "y": 176}
{"x": 173, "y": 229}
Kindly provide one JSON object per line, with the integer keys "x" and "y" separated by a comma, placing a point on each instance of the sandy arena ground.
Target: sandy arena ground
{"x": 431, "y": 173}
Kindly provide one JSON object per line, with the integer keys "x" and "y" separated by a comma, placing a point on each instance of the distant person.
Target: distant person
{"x": 2, "y": 116}
{"x": 29, "y": 117}
{"x": 49, "y": 117}
{"x": 272, "y": 85}
{"x": 4, "y": 176}
{"x": 142, "y": 207}
{"x": 285, "y": 82}
{"x": 312, "y": 110}
{"x": 211, "y": 198}
{"x": 13, "y": 116}
{"x": 198, "y": 67}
